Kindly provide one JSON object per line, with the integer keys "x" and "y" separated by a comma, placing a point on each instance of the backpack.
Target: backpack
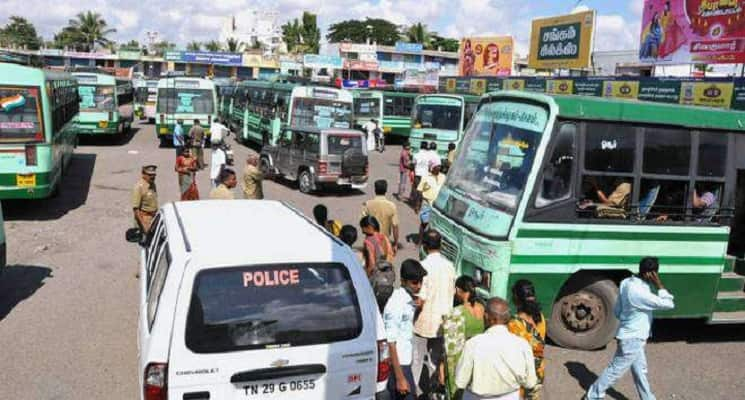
{"x": 383, "y": 277}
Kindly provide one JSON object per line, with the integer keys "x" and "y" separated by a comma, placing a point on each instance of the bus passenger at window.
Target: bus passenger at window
{"x": 609, "y": 206}
{"x": 706, "y": 200}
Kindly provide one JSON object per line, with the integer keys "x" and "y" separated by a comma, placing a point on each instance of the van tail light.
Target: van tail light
{"x": 111, "y": 115}
{"x": 323, "y": 167}
{"x": 155, "y": 384}
{"x": 31, "y": 158}
{"x": 384, "y": 361}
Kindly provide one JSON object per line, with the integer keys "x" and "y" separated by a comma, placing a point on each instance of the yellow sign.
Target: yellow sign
{"x": 621, "y": 89}
{"x": 710, "y": 94}
{"x": 26, "y": 180}
{"x": 103, "y": 124}
{"x": 513, "y": 84}
{"x": 559, "y": 86}
{"x": 450, "y": 85}
{"x": 486, "y": 56}
{"x": 478, "y": 86}
{"x": 562, "y": 42}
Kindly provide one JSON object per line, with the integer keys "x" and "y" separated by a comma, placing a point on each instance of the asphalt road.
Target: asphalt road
{"x": 68, "y": 298}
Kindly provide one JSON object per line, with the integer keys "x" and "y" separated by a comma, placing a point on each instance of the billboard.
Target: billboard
{"x": 322, "y": 61}
{"x": 562, "y": 42}
{"x": 692, "y": 31}
{"x": 204, "y": 57}
{"x": 486, "y": 56}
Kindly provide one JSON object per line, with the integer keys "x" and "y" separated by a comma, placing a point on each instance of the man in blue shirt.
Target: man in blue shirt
{"x": 398, "y": 318}
{"x": 634, "y": 309}
{"x": 178, "y": 137}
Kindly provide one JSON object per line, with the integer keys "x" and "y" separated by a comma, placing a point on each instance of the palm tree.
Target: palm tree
{"x": 212, "y": 45}
{"x": 92, "y": 29}
{"x": 418, "y": 33}
{"x": 194, "y": 46}
{"x": 233, "y": 45}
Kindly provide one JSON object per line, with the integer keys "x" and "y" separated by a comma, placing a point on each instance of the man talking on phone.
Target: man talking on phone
{"x": 634, "y": 309}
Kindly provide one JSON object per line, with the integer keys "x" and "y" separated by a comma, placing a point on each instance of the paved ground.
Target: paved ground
{"x": 68, "y": 315}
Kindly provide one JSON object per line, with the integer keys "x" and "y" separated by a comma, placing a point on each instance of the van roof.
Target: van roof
{"x": 248, "y": 232}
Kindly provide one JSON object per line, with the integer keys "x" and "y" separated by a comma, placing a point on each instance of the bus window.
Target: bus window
{"x": 367, "y": 107}
{"x": 706, "y": 202}
{"x": 559, "y": 169}
{"x": 610, "y": 147}
{"x": 605, "y": 197}
{"x": 712, "y": 154}
{"x": 20, "y": 115}
{"x": 197, "y": 101}
{"x": 438, "y": 116}
{"x": 96, "y": 98}
{"x": 389, "y": 108}
{"x": 667, "y": 151}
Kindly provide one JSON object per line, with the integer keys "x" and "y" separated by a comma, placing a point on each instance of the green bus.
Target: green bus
{"x": 440, "y": 118}
{"x": 392, "y": 108}
{"x": 261, "y": 109}
{"x": 145, "y": 96}
{"x": 38, "y": 109}
{"x": 522, "y": 201}
{"x": 225, "y": 88}
{"x": 105, "y": 104}
{"x": 187, "y": 99}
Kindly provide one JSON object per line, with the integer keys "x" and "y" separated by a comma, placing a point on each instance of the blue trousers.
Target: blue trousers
{"x": 629, "y": 354}
{"x": 412, "y": 386}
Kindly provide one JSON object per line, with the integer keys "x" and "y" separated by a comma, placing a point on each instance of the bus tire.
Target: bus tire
{"x": 305, "y": 182}
{"x": 582, "y": 317}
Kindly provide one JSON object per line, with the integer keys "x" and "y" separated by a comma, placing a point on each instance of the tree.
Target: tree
{"x": 92, "y": 29}
{"x": 444, "y": 44}
{"x": 212, "y": 45}
{"x": 194, "y": 46}
{"x": 233, "y": 45}
{"x": 381, "y": 31}
{"x": 131, "y": 45}
{"x": 69, "y": 38}
{"x": 418, "y": 33}
{"x": 19, "y": 32}
{"x": 302, "y": 36}
{"x": 163, "y": 46}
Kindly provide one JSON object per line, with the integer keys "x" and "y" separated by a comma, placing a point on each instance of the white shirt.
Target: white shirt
{"x": 217, "y": 160}
{"x": 432, "y": 156}
{"x": 635, "y": 306}
{"x": 495, "y": 363}
{"x": 369, "y": 127}
{"x": 217, "y": 132}
{"x": 421, "y": 163}
{"x": 398, "y": 319}
{"x": 438, "y": 291}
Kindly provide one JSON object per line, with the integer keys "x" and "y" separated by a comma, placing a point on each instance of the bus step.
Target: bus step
{"x": 730, "y": 302}
{"x": 737, "y": 317}
{"x": 729, "y": 263}
{"x": 731, "y": 282}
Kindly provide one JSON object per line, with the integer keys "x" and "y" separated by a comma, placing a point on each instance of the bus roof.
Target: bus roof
{"x": 268, "y": 84}
{"x": 598, "y": 108}
{"x": 91, "y": 78}
{"x": 192, "y": 83}
{"x": 467, "y": 98}
{"x": 21, "y": 74}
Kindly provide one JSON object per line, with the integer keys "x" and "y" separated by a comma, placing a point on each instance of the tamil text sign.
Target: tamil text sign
{"x": 405, "y": 47}
{"x": 201, "y": 57}
{"x": 486, "y": 56}
{"x": 562, "y": 42}
{"x": 320, "y": 61}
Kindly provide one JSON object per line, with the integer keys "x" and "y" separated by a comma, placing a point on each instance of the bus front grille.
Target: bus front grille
{"x": 448, "y": 249}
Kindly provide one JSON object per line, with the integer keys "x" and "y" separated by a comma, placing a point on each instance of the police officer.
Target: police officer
{"x": 145, "y": 199}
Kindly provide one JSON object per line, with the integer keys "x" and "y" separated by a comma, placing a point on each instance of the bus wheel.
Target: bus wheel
{"x": 583, "y": 317}
{"x": 305, "y": 182}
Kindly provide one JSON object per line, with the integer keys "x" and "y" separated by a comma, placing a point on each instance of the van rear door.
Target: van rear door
{"x": 276, "y": 331}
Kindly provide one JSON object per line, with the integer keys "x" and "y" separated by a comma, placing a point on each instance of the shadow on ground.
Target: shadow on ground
{"x": 696, "y": 331}
{"x": 585, "y": 378}
{"x": 73, "y": 193}
{"x": 18, "y": 283}
{"x": 108, "y": 140}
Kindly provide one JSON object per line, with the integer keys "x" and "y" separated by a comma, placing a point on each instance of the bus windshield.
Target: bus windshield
{"x": 310, "y": 112}
{"x": 20, "y": 115}
{"x": 498, "y": 153}
{"x": 145, "y": 95}
{"x": 189, "y": 101}
{"x": 367, "y": 107}
{"x": 96, "y": 98}
{"x": 438, "y": 116}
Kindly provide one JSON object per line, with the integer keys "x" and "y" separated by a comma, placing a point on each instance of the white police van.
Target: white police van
{"x": 245, "y": 299}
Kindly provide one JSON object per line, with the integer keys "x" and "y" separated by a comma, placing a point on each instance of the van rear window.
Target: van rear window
{"x": 267, "y": 306}
{"x": 338, "y": 144}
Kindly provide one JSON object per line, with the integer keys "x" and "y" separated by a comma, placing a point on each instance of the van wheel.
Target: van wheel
{"x": 582, "y": 318}
{"x": 305, "y": 182}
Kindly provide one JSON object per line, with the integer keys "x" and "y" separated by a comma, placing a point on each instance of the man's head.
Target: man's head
{"x": 648, "y": 266}
{"x": 435, "y": 166}
{"x": 196, "y": 122}
{"x": 148, "y": 173}
{"x": 451, "y": 146}
{"x": 381, "y": 187}
{"x": 252, "y": 159}
{"x": 186, "y": 152}
{"x": 348, "y": 235}
{"x": 431, "y": 241}
{"x": 497, "y": 312}
{"x": 321, "y": 214}
{"x": 424, "y": 145}
{"x": 227, "y": 178}
{"x": 433, "y": 146}
{"x": 407, "y": 145}
{"x": 412, "y": 274}
{"x": 369, "y": 225}
{"x": 180, "y": 121}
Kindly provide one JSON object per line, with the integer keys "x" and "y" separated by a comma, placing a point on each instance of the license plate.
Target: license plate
{"x": 103, "y": 124}
{"x": 276, "y": 388}
{"x": 27, "y": 180}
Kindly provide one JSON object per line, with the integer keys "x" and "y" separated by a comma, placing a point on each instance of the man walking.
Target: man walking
{"x": 438, "y": 291}
{"x": 398, "y": 320}
{"x": 384, "y": 211}
{"x": 145, "y": 199}
{"x": 369, "y": 128}
{"x": 178, "y": 137}
{"x": 421, "y": 169}
{"x": 252, "y": 179}
{"x": 196, "y": 133}
{"x": 404, "y": 167}
{"x": 224, "y": 191}
{"x": 634, "y": 308}
{"x": 495, "y": 364}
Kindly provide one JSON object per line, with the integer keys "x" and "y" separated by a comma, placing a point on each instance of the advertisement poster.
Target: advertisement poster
{"x": 562, "y": 42}
{"x": 486, "y": 56}
{"x": 588, "y": 87}
{"x": 621, "y": 89}
{"x": 514, "y": 84}
{"x": 478, "y": 86}
{"x": 708, "y": 94}
{"x": 559, "y": 86}
{"x": 693, "y": 31}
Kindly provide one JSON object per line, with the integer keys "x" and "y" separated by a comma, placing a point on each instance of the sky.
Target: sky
{"x": 618, "y": 22}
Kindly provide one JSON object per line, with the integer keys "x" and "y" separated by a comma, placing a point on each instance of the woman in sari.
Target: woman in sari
{"x": 464, "y": 322}
{"x": 186, "y": 167}
{"x": 530, "y": 325}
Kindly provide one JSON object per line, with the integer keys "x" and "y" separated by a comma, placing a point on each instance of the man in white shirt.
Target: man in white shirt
{"x": 369, "y": 129}
{"x": 219, "y": 157}
{"x": 421, "y": 169}
{"x": 398, "y": 319}
{"x": 495, "y": 364}
{"x": 438, "y": 292}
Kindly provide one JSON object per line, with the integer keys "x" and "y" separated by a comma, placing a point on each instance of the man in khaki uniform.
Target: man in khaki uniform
{"x": 145, "y": 199}
{"x": 384, "y": 211}
{"x": 196, "y": 133}
{"x": 252, "y": 179}
{"x": 224, "y": 191}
